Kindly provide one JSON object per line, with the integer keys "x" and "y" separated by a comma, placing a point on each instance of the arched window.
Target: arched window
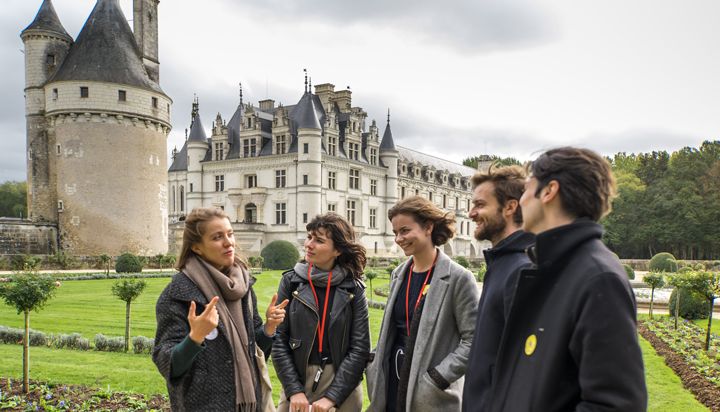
{"x": 172, "y": 199}
{"x": 182, "y": 198}
{"x": 250, "y": 213}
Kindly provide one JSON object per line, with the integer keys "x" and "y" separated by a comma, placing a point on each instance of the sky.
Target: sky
{"x": 460, "y": 77}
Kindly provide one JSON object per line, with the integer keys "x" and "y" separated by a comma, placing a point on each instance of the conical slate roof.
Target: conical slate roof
{"x": 105, "y": 51}
{"x": 180, "y": 161}
{"x": 47, "y": 19}
{"x": 234, "y": 125}
{"x": 387, "y": 140}
{"x": 308, "y": 113}
{"x": 197, "y": 131}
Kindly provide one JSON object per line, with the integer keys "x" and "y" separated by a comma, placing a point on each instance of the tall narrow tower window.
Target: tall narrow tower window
{"x": 84, "y": 92}
{"x": 55, "y": 94}
{"x": 155, "y": 102}
{"x": 50, "y": 60}
{"x": 122, "y": 95}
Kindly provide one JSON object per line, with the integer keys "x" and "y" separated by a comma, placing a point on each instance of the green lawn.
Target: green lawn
{"x": 88, "y": 307}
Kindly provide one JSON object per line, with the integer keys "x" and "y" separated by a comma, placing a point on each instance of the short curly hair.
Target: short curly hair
{"x": 425, "y": 212}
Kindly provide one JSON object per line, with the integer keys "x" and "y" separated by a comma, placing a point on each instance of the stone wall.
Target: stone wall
{"x": 23, "y": 237}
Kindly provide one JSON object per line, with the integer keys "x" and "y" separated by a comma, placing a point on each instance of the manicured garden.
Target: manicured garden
{"x": 88, "y": 307}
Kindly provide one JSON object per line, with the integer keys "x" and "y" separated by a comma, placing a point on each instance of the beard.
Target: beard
{"x": 491, "y": 228}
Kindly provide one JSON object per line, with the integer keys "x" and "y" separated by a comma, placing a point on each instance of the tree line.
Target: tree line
{"x": 667, "y": 202}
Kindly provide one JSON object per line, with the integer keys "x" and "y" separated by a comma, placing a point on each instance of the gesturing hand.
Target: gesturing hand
{"x": 201, "y": 325}
{"x": 274, "y": 315}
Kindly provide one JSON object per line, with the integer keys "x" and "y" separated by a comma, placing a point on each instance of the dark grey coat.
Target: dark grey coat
{"x": 209, "y": 385}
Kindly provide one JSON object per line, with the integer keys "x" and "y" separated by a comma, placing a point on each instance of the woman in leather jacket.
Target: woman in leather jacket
{"x": 323, "y": 345}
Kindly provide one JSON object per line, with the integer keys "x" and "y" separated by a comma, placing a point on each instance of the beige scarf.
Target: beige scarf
{"x": 231, "y": 288}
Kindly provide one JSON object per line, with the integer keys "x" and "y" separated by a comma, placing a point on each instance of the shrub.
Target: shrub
{"x": 63, "y": 261}
{"x": 630, "y": 271}
{"x": 373, "y": 262}
{"x": 462, "y": 261}
{"x": 109, "y": 344}
{"x": 128, "y": 263}
{"x": 11, "y": 336}
{"x": 481, "y": 272}
{"x": 280, "y": 254}
{"x": 24, "y": 262}
{"x": 685, "y": 269}
{"x": 256, "y": 261}
{"x": 141, "y": 344}
{"x": 389, "y": 269}
{"x": 692, "y": 304}
{"x": 663, "y": 262}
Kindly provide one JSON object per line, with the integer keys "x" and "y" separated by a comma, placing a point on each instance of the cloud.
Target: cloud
{"x": 468, "y": 26}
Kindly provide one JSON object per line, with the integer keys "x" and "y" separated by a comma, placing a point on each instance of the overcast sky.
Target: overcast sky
{"x": 461, "y": 77}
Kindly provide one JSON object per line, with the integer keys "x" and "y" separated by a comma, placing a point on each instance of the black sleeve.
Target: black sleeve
{"x": 282, "y": 355}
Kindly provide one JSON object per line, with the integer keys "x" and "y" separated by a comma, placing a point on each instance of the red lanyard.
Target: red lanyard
{"x": 321, "y": 330}
{"x": 407, "y": 292}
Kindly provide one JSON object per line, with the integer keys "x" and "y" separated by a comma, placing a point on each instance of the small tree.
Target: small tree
{"x": 655, "y": 281}
{"x": 708, "y": 285}
{"x": 678, "y": 281}
{"x": 370, "y": 275}
{"x": 128, "y": 290}
{"x": 28, "y": 291}
{"x": 159, "y": 260}
{"x": 169, "y": 260}
{"x": 105, "y": 263}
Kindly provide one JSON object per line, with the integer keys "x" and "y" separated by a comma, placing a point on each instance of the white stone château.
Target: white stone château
{"x": 272, "y": 168}
{"x": 97, "y": 126}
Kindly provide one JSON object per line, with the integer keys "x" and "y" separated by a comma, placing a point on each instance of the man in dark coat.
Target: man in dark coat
{"x": 570, "y": 341}
{"x": 498, "y": 219}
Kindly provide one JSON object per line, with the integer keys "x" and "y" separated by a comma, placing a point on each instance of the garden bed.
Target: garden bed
{"x": 48, "y": 397}
{"x": 684, "y": 353}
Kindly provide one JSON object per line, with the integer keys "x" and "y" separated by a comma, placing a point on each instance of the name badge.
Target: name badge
{"x": 212, "y": 335}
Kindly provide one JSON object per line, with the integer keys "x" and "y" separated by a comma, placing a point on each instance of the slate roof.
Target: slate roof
{"x": 197, "y": 132}
{"x": 180, "y": 161}
{"x": 234, "y": 125}
{"x": 105, "y": 51}
{"x": 387, "y": 142}
{"x": 47, "y": 19}
{"x": 412, "y": 156}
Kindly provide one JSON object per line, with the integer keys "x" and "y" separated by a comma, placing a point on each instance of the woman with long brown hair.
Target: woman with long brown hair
{"x": 210, "y": 338}
{"x": 427, "y": 328}
{"x": 323, "y": 345}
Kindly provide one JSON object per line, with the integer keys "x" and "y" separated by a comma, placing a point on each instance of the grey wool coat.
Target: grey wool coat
{"x": 443, "y": 341}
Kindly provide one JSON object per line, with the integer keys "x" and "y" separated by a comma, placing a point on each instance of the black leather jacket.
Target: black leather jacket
{"x": 348, "y": 331}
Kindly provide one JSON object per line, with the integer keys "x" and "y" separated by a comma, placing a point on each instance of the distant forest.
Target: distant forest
{"x": 667, "y": 202}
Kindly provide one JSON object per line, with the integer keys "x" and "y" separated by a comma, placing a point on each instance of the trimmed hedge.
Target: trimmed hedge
{"x": 279, "y": 255}
{"x": 692, "y": 305}
{"x": 630, "y": 271}
{"x": 663, "y": 262}
{"x": 128, "y": 263}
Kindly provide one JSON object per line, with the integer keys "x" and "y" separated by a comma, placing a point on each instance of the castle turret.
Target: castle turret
{"x": 197, "y": 150}
{"x": 145, "y": 25}
{"x": 46, "y": 45}
{"x": 107, "y": 125}
{"x": 389, "y": 156}
{"x": 308, "y": 118}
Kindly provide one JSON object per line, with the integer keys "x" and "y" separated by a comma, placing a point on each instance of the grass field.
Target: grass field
{"x": 88, "y": 307}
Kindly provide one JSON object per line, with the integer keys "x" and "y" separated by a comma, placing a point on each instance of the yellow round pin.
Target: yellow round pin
{"x": 530, "y": 344}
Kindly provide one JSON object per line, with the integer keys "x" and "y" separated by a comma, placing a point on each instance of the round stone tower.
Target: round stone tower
{"x": 46, "y": 45}
{"x": 107, "y": 125}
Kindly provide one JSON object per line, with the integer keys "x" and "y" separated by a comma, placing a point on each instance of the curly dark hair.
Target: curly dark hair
{"x": 425, "y": 212}
{"x": 508, "y": 184}
{"x": 352, "y": 253}
{"x": 587, "y": 185}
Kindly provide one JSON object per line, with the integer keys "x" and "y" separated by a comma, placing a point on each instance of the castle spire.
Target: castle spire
{"x": 241, "y": 96}
{"x": 47, "y": 20}
{"x": 306, "y": 80}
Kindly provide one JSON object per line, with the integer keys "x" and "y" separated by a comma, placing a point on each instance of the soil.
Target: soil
{"x": 704, "y": 391}
{"x": 45, "y": 396}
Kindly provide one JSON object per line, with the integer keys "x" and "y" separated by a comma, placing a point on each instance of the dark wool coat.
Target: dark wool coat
{"x": 571, "y": 343}
{"x": 209, "y": 385}
{"x": 503, "y": 266}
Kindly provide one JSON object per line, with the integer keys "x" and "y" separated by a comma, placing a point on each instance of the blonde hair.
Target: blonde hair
{"x": 195, "y": 224}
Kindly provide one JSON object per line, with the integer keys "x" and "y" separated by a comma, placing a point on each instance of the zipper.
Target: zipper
{"x": 312, "y": 343}
{"x": 345, "y": 325}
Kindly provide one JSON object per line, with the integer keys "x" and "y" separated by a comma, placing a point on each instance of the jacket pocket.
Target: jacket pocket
{"x": 294, "y": 343}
